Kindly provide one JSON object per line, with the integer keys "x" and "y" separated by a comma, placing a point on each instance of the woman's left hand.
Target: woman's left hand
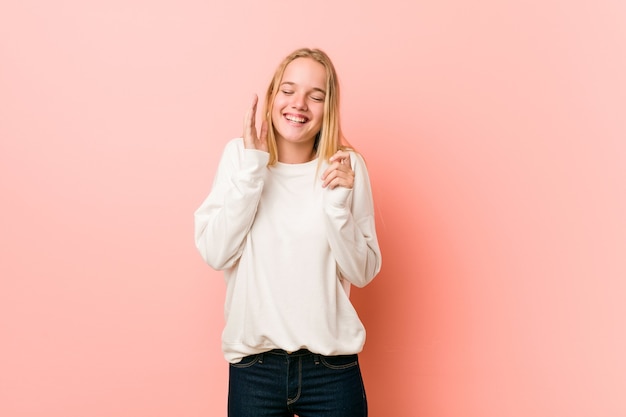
{"x": 339, "y": 173}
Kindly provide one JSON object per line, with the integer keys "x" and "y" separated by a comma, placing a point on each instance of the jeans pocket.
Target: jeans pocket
{"x": 247, "y": 361}
{"x": 339, "y": 361}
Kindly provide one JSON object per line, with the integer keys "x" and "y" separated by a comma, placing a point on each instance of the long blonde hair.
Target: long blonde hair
{"x": 328, "y": 140}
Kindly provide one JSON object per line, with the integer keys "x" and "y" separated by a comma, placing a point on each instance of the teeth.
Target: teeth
{"x": 296, "y": 119}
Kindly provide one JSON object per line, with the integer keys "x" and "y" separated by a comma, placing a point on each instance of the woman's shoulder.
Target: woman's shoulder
{"x": 235, "y": 144}
{"x": 233, "y": 148}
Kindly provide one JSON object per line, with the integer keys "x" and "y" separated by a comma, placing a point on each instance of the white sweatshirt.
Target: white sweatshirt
{"x": 289, "y": 250}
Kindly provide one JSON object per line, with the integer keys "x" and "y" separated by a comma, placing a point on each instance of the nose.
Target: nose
{"x": 299, "y": 102}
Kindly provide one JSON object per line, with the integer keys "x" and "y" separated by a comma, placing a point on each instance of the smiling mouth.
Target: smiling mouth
{"x": 296, "y": 119}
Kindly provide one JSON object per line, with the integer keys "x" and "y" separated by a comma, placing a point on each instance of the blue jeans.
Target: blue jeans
{"x": 278, "y": 384}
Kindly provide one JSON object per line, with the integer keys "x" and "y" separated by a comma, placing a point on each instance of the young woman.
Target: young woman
{"x": 290, "y": 221}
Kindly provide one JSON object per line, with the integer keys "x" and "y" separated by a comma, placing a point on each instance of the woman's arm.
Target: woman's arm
{"x": 224, "y": 219}
{"x": 351, "y": 228}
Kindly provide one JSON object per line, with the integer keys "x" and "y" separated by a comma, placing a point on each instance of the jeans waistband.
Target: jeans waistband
{"x": 300, "y": 352}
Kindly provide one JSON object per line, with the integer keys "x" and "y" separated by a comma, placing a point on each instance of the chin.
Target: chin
{"x": 295, "y": 138}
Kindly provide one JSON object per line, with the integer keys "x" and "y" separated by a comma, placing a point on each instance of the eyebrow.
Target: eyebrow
{"x": 292, "y": 84}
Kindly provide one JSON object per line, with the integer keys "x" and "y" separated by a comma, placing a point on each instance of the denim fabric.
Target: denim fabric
{"x": 278, "y": 384}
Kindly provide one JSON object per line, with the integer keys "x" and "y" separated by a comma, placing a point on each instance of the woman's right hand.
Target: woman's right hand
{"x": 250, "y": 138}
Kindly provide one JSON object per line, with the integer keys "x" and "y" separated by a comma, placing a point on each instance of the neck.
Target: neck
{"x": 295, "y": 154}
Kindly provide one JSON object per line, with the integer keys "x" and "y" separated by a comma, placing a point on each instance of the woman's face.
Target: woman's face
{"x": 298, "y": 108}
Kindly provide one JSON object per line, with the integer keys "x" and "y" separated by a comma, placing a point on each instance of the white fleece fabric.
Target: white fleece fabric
{"x": 289, "y": 250}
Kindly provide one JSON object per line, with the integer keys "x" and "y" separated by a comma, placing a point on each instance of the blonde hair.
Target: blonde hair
{"x": 328, "y": 140}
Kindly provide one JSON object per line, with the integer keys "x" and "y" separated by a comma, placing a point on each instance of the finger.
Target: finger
{"x": 332, "y": 167}
{"x": 339, "y": 182}
{"x": 249, "y": 128}
{"x": 263, "y": 135}
{"x": 255, "y": 100}
{"x": 339, "y": 166}
{"x": 338, "y": 174}
{"x": 246, "y": 123}
{"x": 333, "y": 184}
{"x": 333, "y": 178}
{"x": 339, "y": 155}
{"x": 252, "y": 114}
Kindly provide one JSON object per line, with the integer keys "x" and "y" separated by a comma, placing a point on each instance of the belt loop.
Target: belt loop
{"x": 316, "y": 358}
{"x": 260, "y": 358}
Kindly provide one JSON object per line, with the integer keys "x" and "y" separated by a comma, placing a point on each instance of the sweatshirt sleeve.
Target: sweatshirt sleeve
{"x": 223, "y": 220}
{"x": 351, "y": 228}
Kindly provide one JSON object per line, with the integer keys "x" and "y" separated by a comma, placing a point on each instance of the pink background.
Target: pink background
{"x": 495, "y": 135}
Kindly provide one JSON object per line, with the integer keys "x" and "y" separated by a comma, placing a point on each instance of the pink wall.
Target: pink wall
{"x": 495, "y": 136}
